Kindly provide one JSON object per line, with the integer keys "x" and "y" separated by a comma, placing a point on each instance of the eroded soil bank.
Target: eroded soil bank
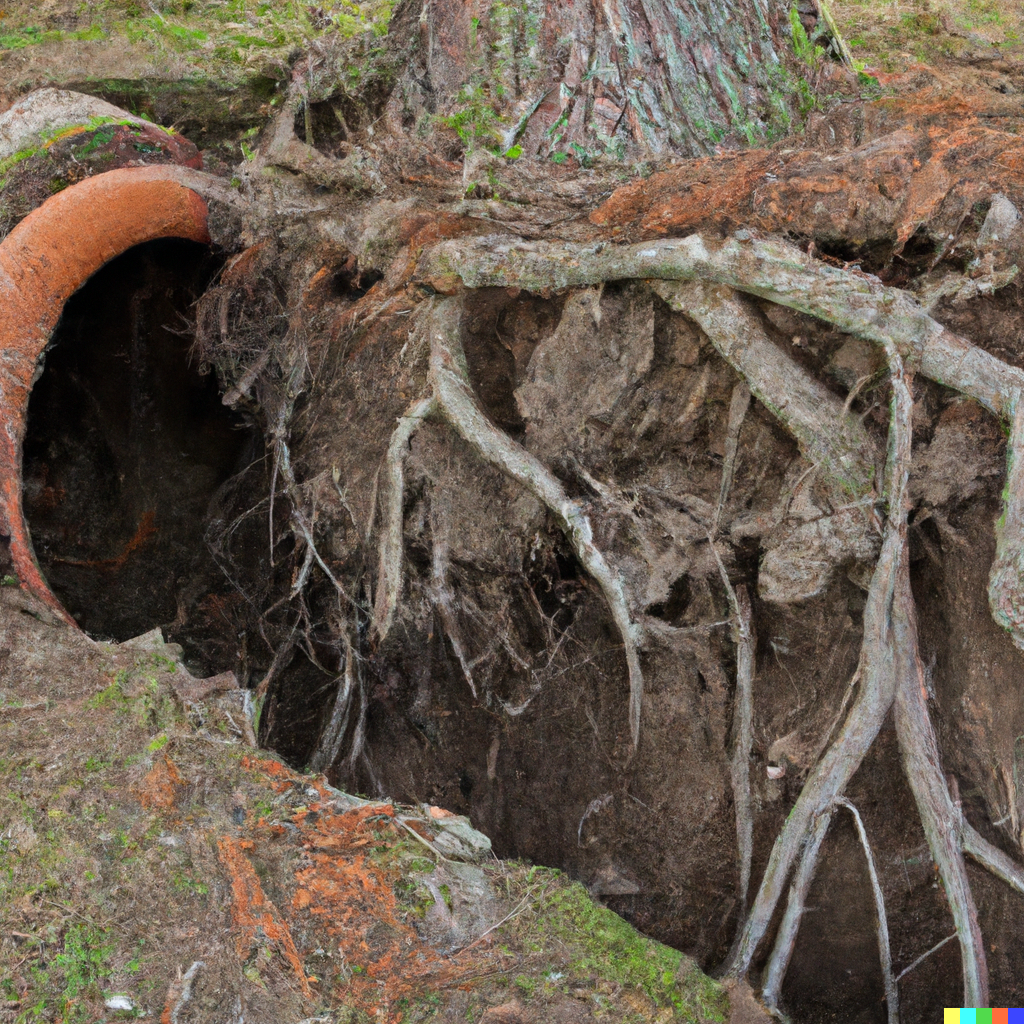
{"x": 252, "y": 446}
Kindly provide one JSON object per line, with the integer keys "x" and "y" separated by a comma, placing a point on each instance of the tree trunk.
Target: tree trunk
{"x": 583, "y": 79}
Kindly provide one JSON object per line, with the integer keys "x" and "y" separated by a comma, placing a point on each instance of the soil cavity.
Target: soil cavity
{"x": 127, "y": 444}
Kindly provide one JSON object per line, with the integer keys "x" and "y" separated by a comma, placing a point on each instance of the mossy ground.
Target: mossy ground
{"x": 895, "y": 36}
{"x": 139, "y": 835}
{"x": 211, "y": 38}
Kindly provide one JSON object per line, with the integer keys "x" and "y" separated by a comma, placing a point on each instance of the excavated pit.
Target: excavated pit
{"x": 127, "y": 445}
{"x": 538, "y": 757}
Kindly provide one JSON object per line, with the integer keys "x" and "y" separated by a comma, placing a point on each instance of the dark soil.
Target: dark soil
{"x": 128, "y": 445}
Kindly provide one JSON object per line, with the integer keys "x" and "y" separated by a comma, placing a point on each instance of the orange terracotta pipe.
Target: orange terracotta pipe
{"x": 43, "y": 262}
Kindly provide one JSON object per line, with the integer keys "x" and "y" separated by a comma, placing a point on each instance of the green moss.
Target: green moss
{"x": 9, "y": 163}
{"x": 603, "y": 945}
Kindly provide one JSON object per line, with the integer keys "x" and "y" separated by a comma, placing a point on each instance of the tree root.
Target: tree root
{"x": 935, "y": 806}
{"x": 738, "y": 405}
{"x": 890, "y": 671}
{"x": 831, "y": 438}
{"x": 830, "y": 776}
{"x": 743, "y": 737}
{"x": 892, "y": 997}
{"x": 329, "y": 745}
{"x": 785, "y": 940}
{"x": 449, "y": 375}
{"x": 1005, "y": 589}
{"x": 742, "y": 723}
{"x": 855, "y": 302}
{"x": 389, "y": 572}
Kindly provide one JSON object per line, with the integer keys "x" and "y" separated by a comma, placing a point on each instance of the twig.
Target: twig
{"x": 422, "y": 839}
{"x": 924, "y": 956}
{"x": 186, "y": 990}
{"x": 494, "y": 927}
{"x": 892, "y": 993}
{"x": 71, "y": 910}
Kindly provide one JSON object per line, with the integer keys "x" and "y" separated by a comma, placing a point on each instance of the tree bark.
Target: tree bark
{"x": 588, "y": 78}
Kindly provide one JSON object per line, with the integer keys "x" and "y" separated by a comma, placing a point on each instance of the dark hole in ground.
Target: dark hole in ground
{"x": 127, "y": 445}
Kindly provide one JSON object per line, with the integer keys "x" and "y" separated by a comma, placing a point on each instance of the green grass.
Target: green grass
{"x": 891, "y": 36}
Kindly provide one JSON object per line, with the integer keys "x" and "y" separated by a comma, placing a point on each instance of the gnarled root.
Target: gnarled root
{"x": 829, "y": 778}
{"x": 389, "y": 572}
{"x": 800, "y": 562}
{"x": 890, "y": 672}
{"x": 449, "y": 375}
{"x": 855, "y": 302}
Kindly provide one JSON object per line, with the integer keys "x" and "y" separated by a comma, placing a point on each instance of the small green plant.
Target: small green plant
{"x": 111, "y": 697}
{"x": 807, "y": 50}
{"x": 157, "y": 743}
{"x": 475, "y": 119}
{"x": 84, "y": 963}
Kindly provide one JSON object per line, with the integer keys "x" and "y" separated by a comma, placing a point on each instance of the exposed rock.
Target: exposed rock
{"x": 1001, "y": 222}
{"x": 43, "y": 115}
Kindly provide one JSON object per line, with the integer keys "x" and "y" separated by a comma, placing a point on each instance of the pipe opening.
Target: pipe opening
{"x": 127, "y": 448}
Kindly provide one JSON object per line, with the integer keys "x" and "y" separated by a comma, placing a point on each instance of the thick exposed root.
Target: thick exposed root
{"x": 855, "y": 302}
{"x": 449, "y": 375}
{"x": 992, "y": 858}
{"x": 785, "y": 940}
{"x": 803, "y": 558}
{"x": 829, "y": 436}
{"x": 918, "y": 746}
{"x": 831, "y": 775}
{"x": 938, "y": 813}
{"x": 829, "y": 778}
{"x": 1005, "y": 588}
{"x": 389, "y": 572}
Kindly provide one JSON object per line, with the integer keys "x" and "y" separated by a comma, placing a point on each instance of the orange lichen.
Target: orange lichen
{"x": 344, "y": 888}
{"x": 344, "y": 896}
{"x": 253, "y": 915}
{"x": 161, "y": 786}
